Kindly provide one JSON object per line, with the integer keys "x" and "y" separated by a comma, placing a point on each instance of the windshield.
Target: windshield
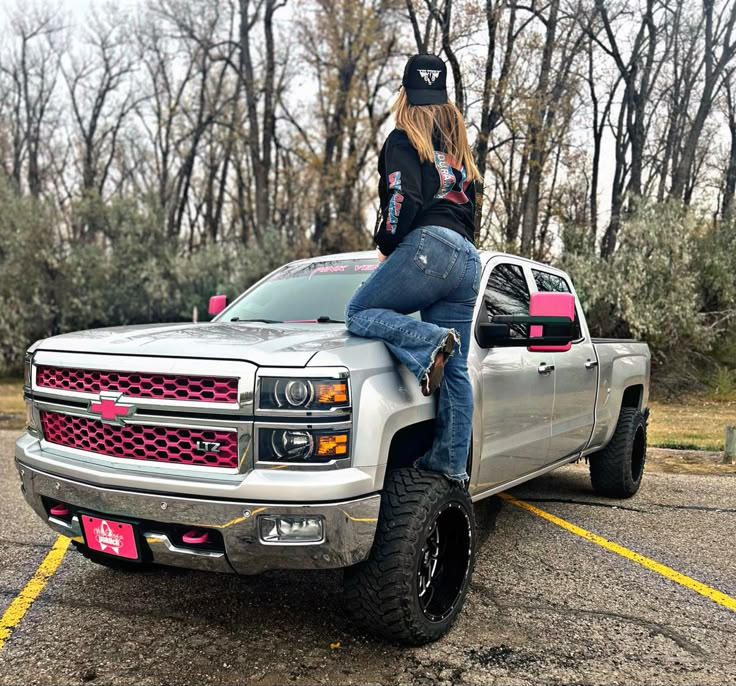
{"x": 315, "y": 291}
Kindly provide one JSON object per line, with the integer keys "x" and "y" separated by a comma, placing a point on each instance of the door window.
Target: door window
{"x": 552, "y": 283}
{"x": 507, "y": 293}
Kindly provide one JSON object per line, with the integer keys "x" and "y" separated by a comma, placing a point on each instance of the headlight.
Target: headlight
{"x": 27, "y": 362}
{"x": 302, "y": 445}
{"x": 303, "y": 394}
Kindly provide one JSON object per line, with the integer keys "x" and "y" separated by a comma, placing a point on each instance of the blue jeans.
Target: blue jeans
{"x": 434, "y": 271}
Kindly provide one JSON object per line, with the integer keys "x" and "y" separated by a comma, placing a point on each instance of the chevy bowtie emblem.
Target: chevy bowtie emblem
{"x": 110, "y": 409}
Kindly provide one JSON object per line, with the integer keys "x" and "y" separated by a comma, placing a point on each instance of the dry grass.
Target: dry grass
{"x": 687, "y": 462}
{"x": 12, "y": 408}
{"x": 697, "y": 423}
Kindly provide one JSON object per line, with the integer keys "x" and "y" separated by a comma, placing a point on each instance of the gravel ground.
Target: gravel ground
{"x": 546, "y": 606}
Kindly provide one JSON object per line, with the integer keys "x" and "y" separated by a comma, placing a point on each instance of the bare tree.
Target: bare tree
{"x": 552, "y": 89}
{"x": 348, "y": 49}
{"x": 101, "y": 97}
{"x": 30, "y": 69}
{"x": 729, "y": 183}
{"x": 601, "y": 112}
{"x": 720, "y": 49}
{"x": 494, "y": 95}
{"x": 638, "y": 73}
{"x": 169, "y": 72}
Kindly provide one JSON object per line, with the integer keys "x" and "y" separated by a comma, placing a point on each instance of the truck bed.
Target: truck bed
{"x": 597, "y": 341}
{"x": 622, "y": 364}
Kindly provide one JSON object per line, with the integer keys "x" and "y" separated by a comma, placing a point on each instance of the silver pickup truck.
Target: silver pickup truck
{"x": 270, "y": 438}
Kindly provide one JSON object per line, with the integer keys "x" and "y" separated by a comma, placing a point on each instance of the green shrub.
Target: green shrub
{"x": 124, "y": 271}
{"x": 661, "y": 286}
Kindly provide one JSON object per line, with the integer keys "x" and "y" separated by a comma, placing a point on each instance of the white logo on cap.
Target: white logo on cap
{"x": 429, "y": 75}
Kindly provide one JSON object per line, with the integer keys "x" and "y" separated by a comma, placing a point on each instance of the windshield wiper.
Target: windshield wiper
{"x": 261, "y": 321}
{"x": 324, "y": 319}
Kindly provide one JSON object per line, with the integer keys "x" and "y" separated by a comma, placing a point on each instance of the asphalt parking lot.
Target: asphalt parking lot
{"x": 546, "y": 607}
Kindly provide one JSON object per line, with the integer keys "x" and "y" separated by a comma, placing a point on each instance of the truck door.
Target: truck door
{"x": 517, "y": 400}
{"x": 576, "y": 381}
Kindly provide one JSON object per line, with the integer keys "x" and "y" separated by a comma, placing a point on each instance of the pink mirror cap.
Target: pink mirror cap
{"x": 550, "y": 305}
{"x": 217, "y": 304}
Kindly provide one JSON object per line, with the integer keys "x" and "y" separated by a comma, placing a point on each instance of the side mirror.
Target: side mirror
{"x": 217, "y": 304}
{"x": 553, "y": 305}
{"x": 490, "y": 335}
{"x": 548, "y": 332}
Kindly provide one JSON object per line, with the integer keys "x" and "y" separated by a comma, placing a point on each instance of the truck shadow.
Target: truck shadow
{"x": 486, "y": 513}
{"x": 570, "y": 481}
{"x": 269, "y": 606}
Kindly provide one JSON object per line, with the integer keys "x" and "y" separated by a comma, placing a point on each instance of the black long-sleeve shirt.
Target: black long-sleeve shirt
{"x": 414, "y": 194}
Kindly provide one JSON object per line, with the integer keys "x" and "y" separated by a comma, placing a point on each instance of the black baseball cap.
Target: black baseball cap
{"x": 425, "y": 80}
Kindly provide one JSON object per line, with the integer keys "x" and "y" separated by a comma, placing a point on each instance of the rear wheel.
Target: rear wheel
{"x": 413, "y": 586}
{"x": 617, "y": 470}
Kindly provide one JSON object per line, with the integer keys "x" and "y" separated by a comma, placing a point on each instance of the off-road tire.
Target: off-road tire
{"x": 382, "y": 594}
{"x": 617, "y": 470}
{"x": 110, "y": 562}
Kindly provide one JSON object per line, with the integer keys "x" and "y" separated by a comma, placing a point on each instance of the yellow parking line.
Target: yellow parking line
{"x": 23, "y": 601}
{"x": 667, "y": 572}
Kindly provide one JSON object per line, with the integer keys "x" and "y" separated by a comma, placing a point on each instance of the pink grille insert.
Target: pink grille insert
{"x": 136, "y": 442}
{"x": 208, "y": 389}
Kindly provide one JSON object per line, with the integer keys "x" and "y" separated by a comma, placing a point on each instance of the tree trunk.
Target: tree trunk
{"x": 536, "y": 141}
{"x": 730, "y": 180}
{"x": 714, "y": 70}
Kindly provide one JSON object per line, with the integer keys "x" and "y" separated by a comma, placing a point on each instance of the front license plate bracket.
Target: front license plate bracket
{"x": 113, "y": 537}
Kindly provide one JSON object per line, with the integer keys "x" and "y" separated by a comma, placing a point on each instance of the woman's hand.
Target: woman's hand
{"x": 381, "y": 256}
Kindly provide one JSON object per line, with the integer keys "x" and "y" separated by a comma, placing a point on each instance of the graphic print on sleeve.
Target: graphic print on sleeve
{"x": 453, "y": 178}
{"x": 394, "y": 204}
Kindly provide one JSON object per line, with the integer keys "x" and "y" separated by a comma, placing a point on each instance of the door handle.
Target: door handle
{"x": 545, "y": 368}
{"x": 591, "y": 364}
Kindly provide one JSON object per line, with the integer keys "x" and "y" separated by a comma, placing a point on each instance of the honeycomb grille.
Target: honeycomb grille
{"x": 136, "y": 442}
{"x": 208, "y": 389}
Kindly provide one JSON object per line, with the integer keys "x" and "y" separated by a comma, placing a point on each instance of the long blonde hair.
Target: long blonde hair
{"x": 421, "y": 121}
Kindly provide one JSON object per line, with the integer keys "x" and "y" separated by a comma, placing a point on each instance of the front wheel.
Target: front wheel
{"x": 413, "y": 585}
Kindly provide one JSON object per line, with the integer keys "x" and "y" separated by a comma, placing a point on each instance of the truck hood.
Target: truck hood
{"x": 289, "y": 345}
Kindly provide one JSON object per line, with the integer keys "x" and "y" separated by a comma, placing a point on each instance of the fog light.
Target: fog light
{"x": 291, "y": 529}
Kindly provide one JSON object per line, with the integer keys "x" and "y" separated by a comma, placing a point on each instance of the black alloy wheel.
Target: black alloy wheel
{"x": 444, "y": 563}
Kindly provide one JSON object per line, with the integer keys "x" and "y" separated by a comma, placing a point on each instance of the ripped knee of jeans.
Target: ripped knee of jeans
{"x": 462, "y": 480}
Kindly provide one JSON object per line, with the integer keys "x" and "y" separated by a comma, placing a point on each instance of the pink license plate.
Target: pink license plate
{"x": 108, "y": 536}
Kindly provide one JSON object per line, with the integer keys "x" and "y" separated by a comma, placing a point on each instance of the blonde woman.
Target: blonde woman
{"x": 429, "y": 262}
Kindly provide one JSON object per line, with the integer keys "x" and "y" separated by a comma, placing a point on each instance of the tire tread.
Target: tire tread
{"x": 610, "y": 468}
{"x": 378, "y": 592}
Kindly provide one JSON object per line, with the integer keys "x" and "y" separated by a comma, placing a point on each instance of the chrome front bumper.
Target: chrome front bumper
{"x": 349, "y": 526}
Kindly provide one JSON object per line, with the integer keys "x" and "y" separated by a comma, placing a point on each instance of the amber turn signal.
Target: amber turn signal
{"x": 332, "y": 445}
{"x": 329, "y": 393}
